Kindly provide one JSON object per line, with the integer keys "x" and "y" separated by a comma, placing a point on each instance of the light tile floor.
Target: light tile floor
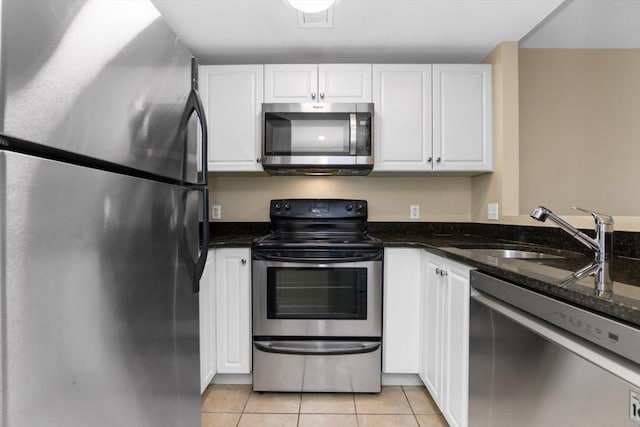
{"x": 395, "y": 406}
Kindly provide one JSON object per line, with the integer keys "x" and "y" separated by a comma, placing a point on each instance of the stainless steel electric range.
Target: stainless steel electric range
{"x": 317, "y": 299}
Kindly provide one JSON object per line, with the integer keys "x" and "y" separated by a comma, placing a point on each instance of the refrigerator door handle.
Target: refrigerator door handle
{"x": 204, "y": 241}
{"x": 198, "y": 107}
{"x": 195, "y": 105}
{"x": 197, "y": 260}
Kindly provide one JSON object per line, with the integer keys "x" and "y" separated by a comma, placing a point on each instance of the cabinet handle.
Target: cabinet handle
{"x": 321, "y": 95}
{"x": 313, "y": 95}
{"x": 258, "y": 160}
{"x": 429, "y": 159}
{"x": 244, "y": 261}
{"x": 439, "y": 159}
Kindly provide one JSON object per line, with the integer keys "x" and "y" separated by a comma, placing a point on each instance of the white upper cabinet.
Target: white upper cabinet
{"x": 232, "y": 98}
{"x": 432, "y": 118}
{"x": 462, "y": 117}
{"x": 317, "y": 83}
{"x": 402, "y": 102}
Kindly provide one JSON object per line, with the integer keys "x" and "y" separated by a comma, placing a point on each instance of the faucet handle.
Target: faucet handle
{"x": 600, "y": 218}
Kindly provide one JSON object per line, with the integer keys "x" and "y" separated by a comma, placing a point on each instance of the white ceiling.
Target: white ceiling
{"x": 427, "y": 31}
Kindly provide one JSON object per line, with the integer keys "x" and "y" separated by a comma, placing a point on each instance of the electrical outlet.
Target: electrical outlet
{"x": 415, "y": 212}
{"x": 216, "y": 212}
{"x": 492, "y": 211}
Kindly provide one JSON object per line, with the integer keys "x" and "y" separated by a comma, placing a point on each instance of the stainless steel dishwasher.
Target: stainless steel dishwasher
{"x": 574, "y": 368}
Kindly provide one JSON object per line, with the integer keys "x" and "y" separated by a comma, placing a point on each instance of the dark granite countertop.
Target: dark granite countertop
{"x": 232, "y": 241}
{"x": 546, "y": 276}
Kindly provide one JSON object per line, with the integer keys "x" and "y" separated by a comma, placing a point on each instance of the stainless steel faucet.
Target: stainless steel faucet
{"x": 602, "y": 245}
{"x": 604, "y": 230}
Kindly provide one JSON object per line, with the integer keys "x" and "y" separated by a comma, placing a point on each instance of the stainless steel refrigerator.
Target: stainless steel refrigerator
{"x": 101, "y": 213}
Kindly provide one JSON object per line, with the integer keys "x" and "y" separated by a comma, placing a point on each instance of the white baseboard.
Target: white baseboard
{"x": 387, "y": 379}
{"x": 232, "y": 379}
{"x": 401, "y": 379}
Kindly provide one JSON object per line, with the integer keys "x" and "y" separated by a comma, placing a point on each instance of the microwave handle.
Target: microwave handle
{"x": 353, "y": 135}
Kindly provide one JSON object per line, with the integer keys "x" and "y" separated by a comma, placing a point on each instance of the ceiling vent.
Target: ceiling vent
{"x": 323, "y": 19}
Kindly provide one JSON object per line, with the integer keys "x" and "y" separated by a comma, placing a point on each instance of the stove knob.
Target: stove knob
{"x": 278, "y": 206}
{"x": 349, "y": 207}
{"x": 287, "y": 206}
{"x": 359, "y": 207}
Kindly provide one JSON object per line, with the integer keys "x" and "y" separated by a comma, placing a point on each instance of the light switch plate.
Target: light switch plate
{"x": 216, "y": 212}
{"x": 415, "y": 212}
{"x": 492, "y": 211}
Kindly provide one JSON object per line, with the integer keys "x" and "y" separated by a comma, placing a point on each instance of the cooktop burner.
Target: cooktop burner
{"x": 318, "y": 223}
{"x": 316, "y": 241}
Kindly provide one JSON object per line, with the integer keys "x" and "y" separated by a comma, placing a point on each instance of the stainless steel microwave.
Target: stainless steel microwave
{"x": 317, "y": 139}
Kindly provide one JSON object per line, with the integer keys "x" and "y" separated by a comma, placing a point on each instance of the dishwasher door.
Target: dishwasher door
{"x": 526, "y": 372}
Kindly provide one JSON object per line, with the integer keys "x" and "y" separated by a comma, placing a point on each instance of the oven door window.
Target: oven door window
{"x": 316, "y": 293}
{"x": 308, "y": 134}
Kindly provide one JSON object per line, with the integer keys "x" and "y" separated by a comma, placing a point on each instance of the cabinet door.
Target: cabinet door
{"x": 462, "y": 117}
{"x": 207, "y": 323}
{"x": 402, "y": 99}
{"x": 232, "y": 97}
{"x": 456, "y": 344}
{"x": 401, "y": 317}
{"x": 233, "y": 310}
{"x": 432, "y": 328}
{"x": 344, "y": 82}
{"x": 291, "y": 83}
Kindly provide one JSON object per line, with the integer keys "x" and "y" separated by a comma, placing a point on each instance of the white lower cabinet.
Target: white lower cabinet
{"x": 207, "y": 323}
{"x": 233, "y": 310}
{"x": 401, "y": 317}
{"x": 444, "y": 355}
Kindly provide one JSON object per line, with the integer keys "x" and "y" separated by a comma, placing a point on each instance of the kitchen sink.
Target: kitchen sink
{"x": 515, "y": 253}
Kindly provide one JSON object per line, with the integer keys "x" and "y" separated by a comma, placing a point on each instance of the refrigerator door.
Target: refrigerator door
{"x": 98, "y": 318}
{"x": 104, "y": 78}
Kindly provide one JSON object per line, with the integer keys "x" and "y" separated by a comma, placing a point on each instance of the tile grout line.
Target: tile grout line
{"x": 355, "y": 409}
{"x": 413, "y": 412}
{"x": 244, "y": 407}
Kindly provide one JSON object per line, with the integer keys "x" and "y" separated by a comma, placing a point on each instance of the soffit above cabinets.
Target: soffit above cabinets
{"x": 370, "y": 31}
{"x": 589, "y": 24}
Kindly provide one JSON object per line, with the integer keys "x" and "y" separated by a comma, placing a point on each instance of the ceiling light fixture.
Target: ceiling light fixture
{"x": 311, "y": 6}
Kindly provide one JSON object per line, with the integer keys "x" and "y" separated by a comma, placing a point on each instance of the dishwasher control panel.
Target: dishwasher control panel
{"x": 603, "y": 331}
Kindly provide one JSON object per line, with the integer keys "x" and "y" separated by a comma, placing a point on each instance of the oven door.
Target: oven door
{"x": 317, "y": 299}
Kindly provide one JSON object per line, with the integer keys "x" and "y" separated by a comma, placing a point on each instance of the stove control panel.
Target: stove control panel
{"x": 318, "y": 208}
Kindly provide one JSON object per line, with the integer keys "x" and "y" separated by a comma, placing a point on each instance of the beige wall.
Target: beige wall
{"x": 580, "y": 130}
{"x": 502, "y": 185}
{"x": 566, "y": 132}
{"x": 246, "y": 198}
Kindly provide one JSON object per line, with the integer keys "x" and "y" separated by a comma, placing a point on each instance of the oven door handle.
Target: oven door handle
{"x": 317, "y": 348}
{"x": 317, "y": 260}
